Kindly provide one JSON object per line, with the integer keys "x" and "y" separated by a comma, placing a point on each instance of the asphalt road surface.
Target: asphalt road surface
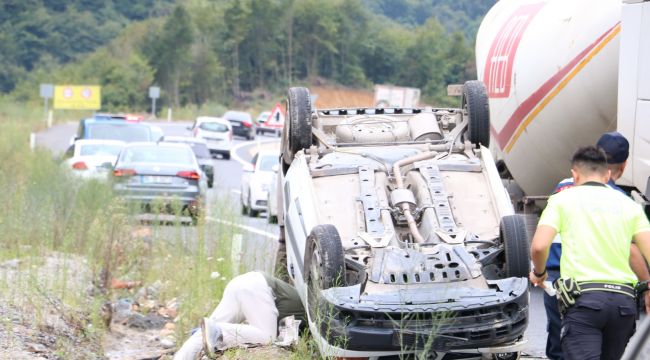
{"x": 254, "y": 239}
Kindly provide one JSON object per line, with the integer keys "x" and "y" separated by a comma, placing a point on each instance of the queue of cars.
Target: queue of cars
{"x": 173, "y": 173}
{"x": 152, "y": 173}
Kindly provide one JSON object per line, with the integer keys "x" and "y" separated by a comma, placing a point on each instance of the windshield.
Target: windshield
{"x": 100, "y": 150}
{"x": 125, "y": 132}
{"x": 213, "y": 126}
{"x": 266, "y": 162}
{"x": 158, "y": 154}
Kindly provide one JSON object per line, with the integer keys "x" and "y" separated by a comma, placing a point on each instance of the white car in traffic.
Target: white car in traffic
{"x": 217, "y": 133}
{"x": 93, "y": 159}
{"x": 256, "y": 182}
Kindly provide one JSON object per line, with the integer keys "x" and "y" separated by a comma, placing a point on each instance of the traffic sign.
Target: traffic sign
{"x": 154, "y": 92}
{"x": 77, "y": 97}
{"x": 276, "y": 119}
{"x": 47, "y": 91}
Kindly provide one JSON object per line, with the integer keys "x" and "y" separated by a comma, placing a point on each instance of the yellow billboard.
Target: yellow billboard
{"x": 77, "y": 97}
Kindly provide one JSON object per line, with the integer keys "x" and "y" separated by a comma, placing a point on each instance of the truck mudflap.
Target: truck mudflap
{"x": 436, "y": 318}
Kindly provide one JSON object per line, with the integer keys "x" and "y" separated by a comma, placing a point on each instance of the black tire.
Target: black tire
{"x": 475, "y": 102}
{"x": 226, "y": 156}
{"x": 516, "y": 246}
{"x": 244, "y": 208}
{"x": 196, "y": 215}
{"x": 324, "y": 265}
{"x": 296, "y": 134}
{"x": 251, "y": 212}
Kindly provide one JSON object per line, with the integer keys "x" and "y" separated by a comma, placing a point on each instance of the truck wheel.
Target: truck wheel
{"x": 297, "y": 129}
{"x": 515, "y": 241}
{"x": 324, "y": 265}
{"x": 475, "y": 102}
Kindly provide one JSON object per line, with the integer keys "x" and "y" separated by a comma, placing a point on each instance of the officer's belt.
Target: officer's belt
{"x": 625, "y": 289}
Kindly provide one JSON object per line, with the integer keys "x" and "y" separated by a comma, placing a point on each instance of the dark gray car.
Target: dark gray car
{"x": 161, "y": 177}
{"x": 242, "y": 124}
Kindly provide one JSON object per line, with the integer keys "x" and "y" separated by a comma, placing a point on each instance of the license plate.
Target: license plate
{"x": 156, "y": 179}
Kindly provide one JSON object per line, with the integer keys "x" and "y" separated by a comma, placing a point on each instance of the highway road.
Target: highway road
{"x": 253, "y": 238}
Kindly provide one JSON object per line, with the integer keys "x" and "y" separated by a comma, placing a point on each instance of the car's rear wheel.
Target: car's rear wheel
{"x": 475, "y": 102}
{"x": 515, "y": 241}
{"x": 196, "y": 214}
{"x": 324, "y": 264}
{"x": 297, "y": 129}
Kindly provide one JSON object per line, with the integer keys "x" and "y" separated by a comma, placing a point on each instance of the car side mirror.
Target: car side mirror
{"x": 275, "y": 168}
{"x": 249, "y": 168}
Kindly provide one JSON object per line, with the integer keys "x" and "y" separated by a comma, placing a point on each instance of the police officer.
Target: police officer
{"x": 597, "y": 225}
{"x": 616, "y": 148}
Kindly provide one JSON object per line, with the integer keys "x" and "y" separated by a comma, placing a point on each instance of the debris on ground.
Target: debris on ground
{"x": 142, "y": 327}
{"x": 36, "y": 320}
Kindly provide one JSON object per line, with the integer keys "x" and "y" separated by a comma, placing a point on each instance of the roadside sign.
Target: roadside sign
{"x": 47, "y": 91}
{"x": 154, "y": 92}
{"x": 77, "y": 97}
{"x": 276, "y": 119}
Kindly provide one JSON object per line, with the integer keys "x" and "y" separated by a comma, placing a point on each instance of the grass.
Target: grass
{"x": 64, "y": 234}
{"x": 67, "y": 234}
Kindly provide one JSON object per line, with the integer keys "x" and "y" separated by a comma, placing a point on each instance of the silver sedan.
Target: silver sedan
{"x": 161, "y": 177}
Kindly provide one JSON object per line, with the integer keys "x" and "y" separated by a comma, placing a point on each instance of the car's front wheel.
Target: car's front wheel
{"x": 325, "y": 266}
{"x": 251, "y": 211}
{"x": 244, "y": 208}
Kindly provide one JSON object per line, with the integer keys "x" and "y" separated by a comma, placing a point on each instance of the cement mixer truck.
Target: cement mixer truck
{"x": 559, "y": 74}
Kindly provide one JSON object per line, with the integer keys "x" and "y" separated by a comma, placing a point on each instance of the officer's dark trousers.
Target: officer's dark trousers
{"x": 553, "y": 322}
{"x": 598, "y": 326}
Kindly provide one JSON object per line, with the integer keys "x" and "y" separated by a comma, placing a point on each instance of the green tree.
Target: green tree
{"x": 168, "y": 52}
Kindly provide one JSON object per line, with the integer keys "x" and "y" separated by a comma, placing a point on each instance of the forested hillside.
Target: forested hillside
{"x": 219, "y": 51}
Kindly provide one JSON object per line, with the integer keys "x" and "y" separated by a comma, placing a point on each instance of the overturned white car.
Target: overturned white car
{"x": 400, "y": 236}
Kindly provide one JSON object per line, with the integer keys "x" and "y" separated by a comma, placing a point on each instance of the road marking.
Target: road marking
{"x": 245, "y": 227}
{"x": 238, "y": 192}
{"x": 234, "y": 149}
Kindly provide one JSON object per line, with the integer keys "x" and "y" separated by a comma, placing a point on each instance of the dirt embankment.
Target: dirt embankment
{"x": 331, "y": 96}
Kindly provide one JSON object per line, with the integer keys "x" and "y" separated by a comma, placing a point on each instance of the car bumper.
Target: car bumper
{"x": 466, "y": 320}
{"x": 258, "y": 200}
{"x": 219, "y": 146}
{"x": 91, "y": 175}
{"x": 242, "y": 131}
{"x": 166, "y": 200}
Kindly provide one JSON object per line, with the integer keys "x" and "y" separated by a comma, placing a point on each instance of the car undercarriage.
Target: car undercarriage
{"x": 400, "y": 236}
